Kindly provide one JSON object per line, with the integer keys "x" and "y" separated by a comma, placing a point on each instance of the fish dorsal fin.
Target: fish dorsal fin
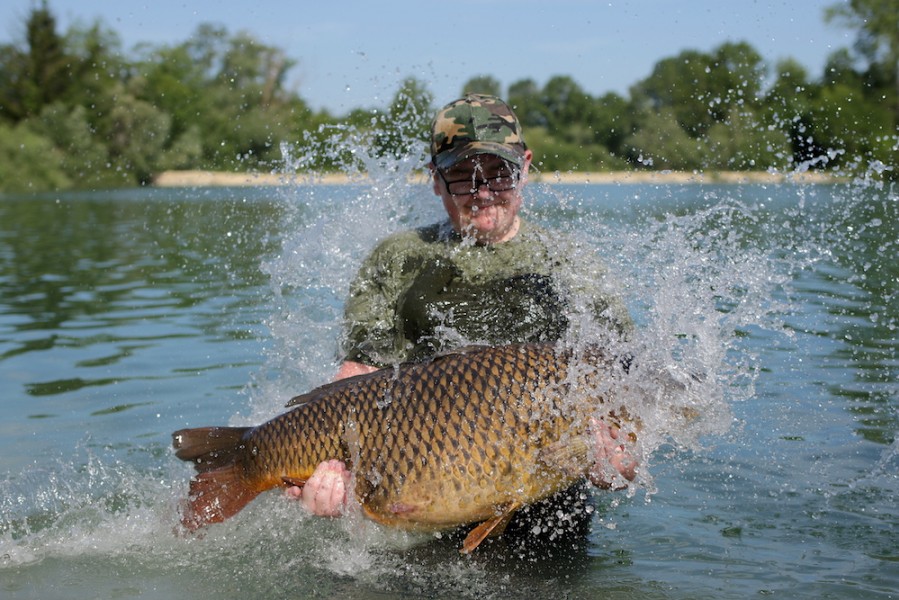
{"x": 492, "y": 527}
{"x": 463, "y": 350}
{"x": 320, "y": 391}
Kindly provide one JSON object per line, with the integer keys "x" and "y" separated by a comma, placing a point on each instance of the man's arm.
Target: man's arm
{"x": 349, "y": 368}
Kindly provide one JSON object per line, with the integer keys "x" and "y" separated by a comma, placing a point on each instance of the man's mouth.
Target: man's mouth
{"x": 485, "y": 204}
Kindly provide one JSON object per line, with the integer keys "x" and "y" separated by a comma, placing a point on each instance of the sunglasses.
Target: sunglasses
{"x": 470, "y": 185}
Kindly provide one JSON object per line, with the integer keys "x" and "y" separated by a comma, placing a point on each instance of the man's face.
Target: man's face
{"x": 482, "y": 196}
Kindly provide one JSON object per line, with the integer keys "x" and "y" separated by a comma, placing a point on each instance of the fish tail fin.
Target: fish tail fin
{"x": 209, "y": 448}
{"x": 219, "y": 490}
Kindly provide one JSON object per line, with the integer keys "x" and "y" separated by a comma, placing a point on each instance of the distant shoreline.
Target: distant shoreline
{"x": 168, "y": 179}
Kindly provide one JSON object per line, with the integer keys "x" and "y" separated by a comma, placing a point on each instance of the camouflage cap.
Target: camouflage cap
{"x": 476, "y": 124}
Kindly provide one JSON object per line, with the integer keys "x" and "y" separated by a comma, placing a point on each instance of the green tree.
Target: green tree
{"x": 29, "y": 162}
{"x": 788, "y": 107}
{"x": 553, "y": 154}
{"x": 136, "y": 135}
{"x": 742, "y": 143}
{"x": 877, "y": 26}
{"x": 249, "y": 113}
{"x": 849, "y": 127}
{"x": 407, "y": 122}
{"x": 97, "y": 62}
{"x": 254, "y": 70}
{"x": 702, "y": 89}
{"x": 612, "y": 121}
{"x": 661, "y": 143}
{"x": 46, "y": 78}
{"x": 226, "y": 92}
{"x": 12, "y": 72}
{"x": 37, "y": 75}
{"x": 173, "y": 82}
{"x": 84, "y": 156}
{"x": 524, "y": 98}
{"x": 483, "y": 84}
{"x": 717, "y": 102}
{"x": 565, "y": 104}
{"x": 676, "y": 85}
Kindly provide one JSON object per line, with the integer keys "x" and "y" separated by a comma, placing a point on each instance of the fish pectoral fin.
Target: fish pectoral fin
{"x": 490, "y": 528}
{"x": 293, "y": 481}
{"x": 568, "y": 457}
{"x": 403, "y": 508}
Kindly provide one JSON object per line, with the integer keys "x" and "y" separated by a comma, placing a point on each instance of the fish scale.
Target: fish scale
{"x": 467, "y": 437}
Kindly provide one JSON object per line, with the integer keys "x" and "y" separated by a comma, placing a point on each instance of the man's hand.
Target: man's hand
{"x": 611, "y": 458}
{"x": 325, "y": 492}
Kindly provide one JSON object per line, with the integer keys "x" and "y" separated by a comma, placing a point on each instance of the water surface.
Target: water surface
{"x": 126, "y": 315}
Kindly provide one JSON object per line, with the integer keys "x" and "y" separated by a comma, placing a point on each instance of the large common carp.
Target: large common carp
{"x": 467, "y": 437}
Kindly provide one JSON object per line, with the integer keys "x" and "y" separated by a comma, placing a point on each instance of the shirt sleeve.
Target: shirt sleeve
{"x": 372, "y": 334}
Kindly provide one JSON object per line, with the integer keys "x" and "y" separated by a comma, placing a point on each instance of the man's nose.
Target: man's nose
{"x": 483, "y": 191}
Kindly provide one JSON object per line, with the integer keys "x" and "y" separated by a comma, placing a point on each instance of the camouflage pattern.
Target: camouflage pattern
{"x": 459, "y": 439}
{"x": 476, "y": 124}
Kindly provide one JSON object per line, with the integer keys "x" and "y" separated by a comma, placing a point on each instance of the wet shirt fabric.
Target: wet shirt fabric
{"x": 430, "y": 290}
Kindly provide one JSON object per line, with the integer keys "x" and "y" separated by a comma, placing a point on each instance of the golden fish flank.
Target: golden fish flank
{"x": 467, "y": 437}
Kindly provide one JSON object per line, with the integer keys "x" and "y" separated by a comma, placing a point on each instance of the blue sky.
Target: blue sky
{"x": 353, "y": 53}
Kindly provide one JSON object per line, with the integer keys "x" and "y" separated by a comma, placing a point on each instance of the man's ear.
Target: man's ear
{"x": 528, "y": 157}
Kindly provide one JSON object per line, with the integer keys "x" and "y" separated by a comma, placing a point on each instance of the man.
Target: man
{"x": 484, "y": 276}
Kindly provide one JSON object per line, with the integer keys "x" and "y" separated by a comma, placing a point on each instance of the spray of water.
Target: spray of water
{"x": 697, "y": 283}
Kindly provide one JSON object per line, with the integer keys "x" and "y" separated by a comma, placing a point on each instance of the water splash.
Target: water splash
{"x": 709, "y": 279}
{"x": 328, "y": 231}
{"x": 697, "y": 282}
{"x": 90, "y": 503}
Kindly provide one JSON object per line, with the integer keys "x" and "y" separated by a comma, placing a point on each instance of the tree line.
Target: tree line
{"x": 77, "y": 111}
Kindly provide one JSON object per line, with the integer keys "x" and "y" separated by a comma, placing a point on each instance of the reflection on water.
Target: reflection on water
{"x": 118, "y": 292}
{"x": 126, "y": 315}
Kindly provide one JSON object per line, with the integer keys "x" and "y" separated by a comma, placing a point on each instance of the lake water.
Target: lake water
{"x": 126, "y": 315}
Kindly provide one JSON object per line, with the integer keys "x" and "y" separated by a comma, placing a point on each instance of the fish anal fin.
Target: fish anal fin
{"x": 216, "y": 495}
{"x": 492, "y": 527}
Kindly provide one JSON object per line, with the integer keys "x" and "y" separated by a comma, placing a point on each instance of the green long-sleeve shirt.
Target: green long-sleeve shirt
{"x": 429, "y": 290}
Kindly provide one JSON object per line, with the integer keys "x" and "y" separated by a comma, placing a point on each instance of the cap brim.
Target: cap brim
{"x": 451, "y": 157}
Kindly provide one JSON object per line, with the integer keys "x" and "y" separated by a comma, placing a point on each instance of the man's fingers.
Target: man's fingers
{"x": 325, "y": 491}
{"x": 610, "y": 457}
